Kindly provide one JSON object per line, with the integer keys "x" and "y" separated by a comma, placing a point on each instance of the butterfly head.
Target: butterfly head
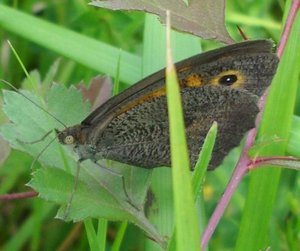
{"x": 70, "y": 135}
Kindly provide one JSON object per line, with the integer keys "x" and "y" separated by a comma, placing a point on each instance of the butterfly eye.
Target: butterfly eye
{"x": 228, "y": 80}
{"x": 69, "y": 140}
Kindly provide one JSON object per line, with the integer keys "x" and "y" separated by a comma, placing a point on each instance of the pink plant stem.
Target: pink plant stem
{"x": 238, "y": 174}
{"x": 288, "y": 26}
{"x": 244, "y": 162}
{"x": 17, "y": 196}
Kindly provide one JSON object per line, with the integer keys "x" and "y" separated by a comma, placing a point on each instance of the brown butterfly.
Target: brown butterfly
{"x": 221, "y": 85}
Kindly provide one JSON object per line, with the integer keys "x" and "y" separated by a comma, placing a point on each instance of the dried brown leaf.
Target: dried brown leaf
{"x": 204, "y": 18}
{"x": 98, "y": 92}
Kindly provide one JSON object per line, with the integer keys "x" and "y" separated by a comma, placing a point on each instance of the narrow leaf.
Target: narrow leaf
{"x": 187, "y": 231}
{"x": 204, "y": 158}
{"x": 94, "y": 54}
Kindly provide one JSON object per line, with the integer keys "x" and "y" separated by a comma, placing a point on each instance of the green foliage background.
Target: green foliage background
{"x": 30, "y": 224}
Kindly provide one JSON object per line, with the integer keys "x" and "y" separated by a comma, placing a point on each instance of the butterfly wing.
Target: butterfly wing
{"x": 140, "y": 137}
{"x": 222, "y": 85}
{"x": 186, "y": 67}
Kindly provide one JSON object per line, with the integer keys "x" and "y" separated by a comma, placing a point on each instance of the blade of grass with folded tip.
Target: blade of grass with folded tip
{"x": 184, "y": 45}
{"x": 187, "y": 231}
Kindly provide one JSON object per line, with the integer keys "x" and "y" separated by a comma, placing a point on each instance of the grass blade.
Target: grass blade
{"x": 120, "y": 236}
{"x": 187, "y": 231}
{"x": 184, "y": 45}
{"x": 91, "y": 235}
{"x": 204, "y": 158}
{"x": 101, "y": 57}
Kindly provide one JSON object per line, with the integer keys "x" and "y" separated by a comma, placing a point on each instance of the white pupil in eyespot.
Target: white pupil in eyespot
{"x": 69, "y": 140}
{"x": 228, "y": 79}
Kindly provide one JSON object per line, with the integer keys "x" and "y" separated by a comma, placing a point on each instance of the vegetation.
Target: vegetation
{"x": 70, "y": 41}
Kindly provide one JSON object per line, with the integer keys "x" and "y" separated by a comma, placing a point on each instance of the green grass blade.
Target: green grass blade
{"x": 102, "y": 233}
{"x": 91, "y": 235}
{"x": 82, "y": 49}
{"x": 21, "y": 63}
{"x": 119, "y": 237}
{"x": 187, "y": 231}
{"x": 200, "y": 170}
{"x": 154, "y": 51}
{"x": 276, "y": 121}
{"x": 204, "y": 158}
{"x": 37, "y": 229}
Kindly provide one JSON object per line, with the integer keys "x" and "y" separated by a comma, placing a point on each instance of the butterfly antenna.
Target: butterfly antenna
{"x": 37, "y": 105}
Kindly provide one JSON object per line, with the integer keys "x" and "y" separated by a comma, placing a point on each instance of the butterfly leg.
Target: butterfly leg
{"x": 35, "y": 141}
{"x": 67, "y": 210}
{"x": 128, "y": 199}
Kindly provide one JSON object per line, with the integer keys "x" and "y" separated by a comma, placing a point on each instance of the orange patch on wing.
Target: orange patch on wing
{"x": 147, "y": 97}
{"x": 193, "y": 80}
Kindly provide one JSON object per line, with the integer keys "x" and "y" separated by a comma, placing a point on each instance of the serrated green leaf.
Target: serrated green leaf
{"x": 100, "y": 193}
{"x": 30, "y": 123}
